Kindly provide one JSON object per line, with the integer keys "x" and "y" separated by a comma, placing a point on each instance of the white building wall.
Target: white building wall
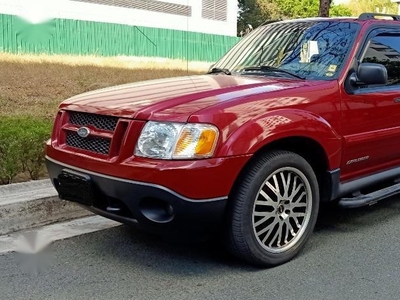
{"x": 38, "y": 10}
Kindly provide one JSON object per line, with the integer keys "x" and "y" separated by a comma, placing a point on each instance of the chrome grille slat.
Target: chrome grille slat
{"x": 99, "y": 121}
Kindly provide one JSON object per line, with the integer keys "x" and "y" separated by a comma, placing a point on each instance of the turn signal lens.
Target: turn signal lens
{"x": 206, "y": 142}
{"x": 196, "y": 141}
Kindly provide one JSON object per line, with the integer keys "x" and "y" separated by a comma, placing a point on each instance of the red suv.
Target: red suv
{"x": 298, "y": 113}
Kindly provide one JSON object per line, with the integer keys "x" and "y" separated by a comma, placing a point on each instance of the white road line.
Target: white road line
{"x": 34, "y": 240}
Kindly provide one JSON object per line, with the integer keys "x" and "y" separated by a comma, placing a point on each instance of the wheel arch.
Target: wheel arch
{"x": 283, "y": 124}
{"x": 306, "y": 147}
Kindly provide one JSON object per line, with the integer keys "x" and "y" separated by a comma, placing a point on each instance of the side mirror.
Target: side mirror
{"x": 370, "y": 73}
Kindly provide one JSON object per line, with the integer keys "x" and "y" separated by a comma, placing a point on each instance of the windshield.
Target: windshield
{"x": 312, "y": 49}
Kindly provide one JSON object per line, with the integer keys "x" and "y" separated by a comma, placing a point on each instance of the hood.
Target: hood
{"x": 174, "y": 98}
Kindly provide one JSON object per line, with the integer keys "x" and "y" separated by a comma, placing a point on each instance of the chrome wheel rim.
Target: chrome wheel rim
{"x": 282, "y": 209}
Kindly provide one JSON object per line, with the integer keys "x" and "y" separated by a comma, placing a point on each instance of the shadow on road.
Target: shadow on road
{"x": 136, "y": 249}
{"x": 332, "y": 218}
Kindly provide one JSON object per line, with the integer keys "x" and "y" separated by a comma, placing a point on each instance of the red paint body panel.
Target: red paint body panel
{"x": 250, "y": 112}
{"x": 161, "y": 97}
{"x": 373, "y": 129}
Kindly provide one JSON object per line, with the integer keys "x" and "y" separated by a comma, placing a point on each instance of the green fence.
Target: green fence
{"x": 62, "y": 36}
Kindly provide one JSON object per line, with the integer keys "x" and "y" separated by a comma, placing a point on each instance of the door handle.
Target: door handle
{"x": 396, "y": 100}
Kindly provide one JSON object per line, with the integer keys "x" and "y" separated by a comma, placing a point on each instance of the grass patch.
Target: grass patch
{"x": 22, "y": 142}
{"x": 35, "y": 85}
{"x": 32, "y": 87}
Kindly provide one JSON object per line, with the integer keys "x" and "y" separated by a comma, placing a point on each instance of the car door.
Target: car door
{"x": 371, "y": 114}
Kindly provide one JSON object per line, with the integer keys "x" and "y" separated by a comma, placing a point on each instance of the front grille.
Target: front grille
{"x": 94, "y": 144}
{"x": 99, "y": 121}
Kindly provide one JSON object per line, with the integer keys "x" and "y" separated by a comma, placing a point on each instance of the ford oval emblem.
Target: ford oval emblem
{"x": 83, "y": 132}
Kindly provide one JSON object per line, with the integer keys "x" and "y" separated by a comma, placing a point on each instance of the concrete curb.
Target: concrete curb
{"x": 32, "y": 204}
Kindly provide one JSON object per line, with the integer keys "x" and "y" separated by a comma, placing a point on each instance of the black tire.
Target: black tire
{"x": 244, "y": 231}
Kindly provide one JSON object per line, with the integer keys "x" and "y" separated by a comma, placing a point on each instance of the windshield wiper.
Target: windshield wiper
{"x": 273, "y": 69}
{"x": 218, "y": 70}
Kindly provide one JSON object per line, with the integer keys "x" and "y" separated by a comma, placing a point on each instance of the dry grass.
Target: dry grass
{"x": 35, "y": 85}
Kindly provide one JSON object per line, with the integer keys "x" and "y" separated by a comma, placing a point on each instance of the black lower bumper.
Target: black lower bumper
{"x": 151, "y": 207}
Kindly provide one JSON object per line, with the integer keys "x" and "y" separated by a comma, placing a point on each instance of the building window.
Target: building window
{"x": 215, "y": 9}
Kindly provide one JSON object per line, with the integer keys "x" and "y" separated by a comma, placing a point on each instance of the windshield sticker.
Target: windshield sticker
{"x": 332, "y": 68}
{"x": 329, "y": 74}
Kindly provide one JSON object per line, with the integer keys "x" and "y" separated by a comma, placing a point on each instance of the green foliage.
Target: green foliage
{"x": 298, "y": 9}
{"x": 22, "y": 141}
{"x": 256, "y": 12}
{"x": 340, "y": 11}
{"x": 8, "y": 158}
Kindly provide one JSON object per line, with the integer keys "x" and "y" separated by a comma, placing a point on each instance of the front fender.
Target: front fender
{"x": 280, "y": 124}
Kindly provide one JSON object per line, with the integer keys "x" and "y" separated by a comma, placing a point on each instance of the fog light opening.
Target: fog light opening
{"x": 157, "y": 210}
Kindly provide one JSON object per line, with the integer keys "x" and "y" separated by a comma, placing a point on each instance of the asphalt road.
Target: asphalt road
{"x": 353, "y": 254}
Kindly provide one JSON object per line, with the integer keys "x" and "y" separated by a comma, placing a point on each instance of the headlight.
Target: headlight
{"x": 176, "y": 141}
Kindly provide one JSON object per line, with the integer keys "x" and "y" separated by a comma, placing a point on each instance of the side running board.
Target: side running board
{"x": 371, "y": 198}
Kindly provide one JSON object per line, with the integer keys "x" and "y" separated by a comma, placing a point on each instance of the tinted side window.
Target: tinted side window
{"x": 385, "y": 50}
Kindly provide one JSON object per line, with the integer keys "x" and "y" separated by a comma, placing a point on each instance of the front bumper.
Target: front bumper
{"x": 193, "y": 179}
{"x": 151, "y": 207}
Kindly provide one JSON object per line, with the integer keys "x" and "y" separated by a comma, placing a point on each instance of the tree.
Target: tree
{"x": 340, "y": 11}
{"x": 291, "y": 9}
{"x": 324, "y": 6}
{"x": 256, "y": 12}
